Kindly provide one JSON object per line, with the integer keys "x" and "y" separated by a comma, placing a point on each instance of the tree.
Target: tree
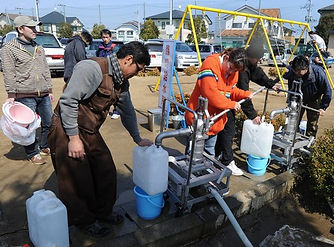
{"x": 149, "y": 31}
{"x": 200, "y": 29}
{"x": 326, "y": 23}
{"x": 5, "y": 29}
{"x": 65, "y": 30}
{"x": 96, "y": 32}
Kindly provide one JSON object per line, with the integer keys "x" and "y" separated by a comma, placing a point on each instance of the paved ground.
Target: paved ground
{"x": 19, "y": 178}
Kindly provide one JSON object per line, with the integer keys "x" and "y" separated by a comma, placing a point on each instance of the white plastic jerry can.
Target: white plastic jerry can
{"x": 257, "y": 139}
{"x": 47, "y": 220}
{"x": 150, "y": 169}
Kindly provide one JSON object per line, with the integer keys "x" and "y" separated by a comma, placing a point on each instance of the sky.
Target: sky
{"x": 114, "y": 13}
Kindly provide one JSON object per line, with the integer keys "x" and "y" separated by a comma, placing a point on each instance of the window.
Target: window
{"x": 236, "y": 25}
{"x": 163, "y": 25}
{"x": 129, "y": 33}
{"x": 251, "y": 25}
{"x": 46, "y": 28}
{"x": 74, "y": 28}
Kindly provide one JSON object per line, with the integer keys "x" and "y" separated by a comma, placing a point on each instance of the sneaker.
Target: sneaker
{"x": 45, "y": 152}
{"x": 97, "y": 229}
{"x": 235, "y": 170}
{"x": 37, "y": 159}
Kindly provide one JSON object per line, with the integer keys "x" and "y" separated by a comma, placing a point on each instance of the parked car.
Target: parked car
{"x": 155, "y": 50}
{"x": 328, "y": 59}
{"x": 282, "y": 56}
{"x": 185, "y": 56}
{"x": 207, "y": 49}
{"x": 63, "y": 41}
{"x": 54, "y": 51}
{"x": 92, "y": 48}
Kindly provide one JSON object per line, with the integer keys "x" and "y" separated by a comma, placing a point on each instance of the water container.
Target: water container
{"x": 47, "y": 220}
{"x": 257, "y": 139}
{"x": 150, "y": 169}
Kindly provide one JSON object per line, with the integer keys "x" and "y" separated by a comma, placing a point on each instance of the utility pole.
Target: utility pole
{"x": 259, "y": 7}
{"x": 171, "y": 16}
{"x": 63, "y": 5}
{"x": 144, "y": 13}
{"x": 37, "y": 13}
{"x": 100, "y": 14}
{"x": 138, "y": 21}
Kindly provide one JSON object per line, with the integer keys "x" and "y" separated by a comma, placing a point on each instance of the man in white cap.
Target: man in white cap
{"x": 27, "y": 80}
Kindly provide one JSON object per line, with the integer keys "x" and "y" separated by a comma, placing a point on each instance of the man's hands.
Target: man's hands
{"x": 52, "y": 98}
{"x": 145, "y": 142}
{"x": 257, "y": 120}
{"x": 10, "y": 100}
{"x": 76, "y": 148}
{"x": 322, "y": 112}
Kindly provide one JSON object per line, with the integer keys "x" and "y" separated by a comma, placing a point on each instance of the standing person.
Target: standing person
{"x": 75, "y": 52}
{"x": 27, "y": 80}
{"x": 315, "y": 87}
{"x": 254, "y": 73}
{"x": 85, "y": 170}
{"x": 216, "y": 82}
{"x": 315, "y": 38}
{"x": 105, "y": 48}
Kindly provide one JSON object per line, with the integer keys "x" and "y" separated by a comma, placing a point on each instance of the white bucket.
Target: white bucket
{"x": 302, "y": 127}
{"x": 18, "y": 113}
{"x": 177, "y": 121}
{"x": 47, "y": 220}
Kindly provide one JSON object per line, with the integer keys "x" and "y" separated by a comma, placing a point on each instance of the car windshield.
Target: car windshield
{"x": 94, "y": 45}
{"x": 183, "y": 47}
{"x": 204, "y": 48}
{"x": 217, "y": 49}
{"x": 47, "y": 41}
{"x": 154, "y": 47}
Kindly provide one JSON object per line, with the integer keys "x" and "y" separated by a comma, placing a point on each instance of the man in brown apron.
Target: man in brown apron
{"x": 85, "y": 170}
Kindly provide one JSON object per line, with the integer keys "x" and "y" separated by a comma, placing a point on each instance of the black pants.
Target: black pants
{"x": 225, "y": 140}
{"x": 312, "y": 117}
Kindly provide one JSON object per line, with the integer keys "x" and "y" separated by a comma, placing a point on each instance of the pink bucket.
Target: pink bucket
{"x": 18, "y": 113}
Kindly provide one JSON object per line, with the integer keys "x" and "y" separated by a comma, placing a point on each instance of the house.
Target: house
{"x": 330, "y": 46}
{"x": 51, "y": 23}
{"x": 128, "y": 31}
{"x": 326, "y": 10}
{"x": 236, "y": 29}
{"x": 8, "y": 19}
{"x": 162, "y": 21}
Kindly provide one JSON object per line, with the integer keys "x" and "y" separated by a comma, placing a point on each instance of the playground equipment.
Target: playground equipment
{"x": 259, "y": 20}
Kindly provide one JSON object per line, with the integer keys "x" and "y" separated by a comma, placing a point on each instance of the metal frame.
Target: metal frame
{"x": 260, "y": 19}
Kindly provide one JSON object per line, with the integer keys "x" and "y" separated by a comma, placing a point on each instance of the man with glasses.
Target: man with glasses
{"x": 27, "y": 80}
{"x": 85, "y": 170}
{"x": 315, "y": 87}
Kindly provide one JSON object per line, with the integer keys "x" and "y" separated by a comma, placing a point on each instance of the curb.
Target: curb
{"x": 168, "y": 230}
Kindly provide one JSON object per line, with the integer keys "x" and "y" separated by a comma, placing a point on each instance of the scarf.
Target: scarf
{"x": 116, "y": 71}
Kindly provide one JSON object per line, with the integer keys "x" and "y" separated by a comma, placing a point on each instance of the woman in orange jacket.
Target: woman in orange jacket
{"x": 217, "y": 82}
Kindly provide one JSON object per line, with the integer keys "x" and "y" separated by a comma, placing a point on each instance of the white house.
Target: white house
{"x": 236, "y": 29}
{"x": 8, "y": 19}
{"x": 162, "y": 20}
{"x": 128, "y": 31}
{"x": 51, "y": 23}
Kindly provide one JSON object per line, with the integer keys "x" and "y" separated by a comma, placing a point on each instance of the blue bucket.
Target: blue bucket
{"x": 257, "y": 165}
{"x": 148, "y": 207}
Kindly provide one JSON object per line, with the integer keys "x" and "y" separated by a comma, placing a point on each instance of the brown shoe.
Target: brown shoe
{"x": 45, "y": 152}
{"x": 37, "y": 160}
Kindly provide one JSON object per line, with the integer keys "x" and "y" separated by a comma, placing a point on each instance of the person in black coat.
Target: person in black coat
{"x": 75, "y": 52}
{"x": 223, "y": 148}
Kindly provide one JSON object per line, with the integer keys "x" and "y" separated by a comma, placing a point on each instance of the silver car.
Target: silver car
{"x": 206, "y": 50}
{"x": 185, "y": 56}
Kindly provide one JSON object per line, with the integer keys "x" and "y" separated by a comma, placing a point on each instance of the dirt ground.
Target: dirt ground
{"x": 19, "y": 178}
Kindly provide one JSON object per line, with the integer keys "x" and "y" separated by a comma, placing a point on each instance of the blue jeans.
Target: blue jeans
{"x": 43, "y": 107}
{"x": 209, "y": 145}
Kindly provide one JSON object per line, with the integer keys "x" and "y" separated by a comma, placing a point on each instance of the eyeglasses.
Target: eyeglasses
{"x": 138, "y": 68}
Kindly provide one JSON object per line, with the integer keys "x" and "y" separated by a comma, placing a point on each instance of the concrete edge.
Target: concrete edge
{"x": 206, "y": 220}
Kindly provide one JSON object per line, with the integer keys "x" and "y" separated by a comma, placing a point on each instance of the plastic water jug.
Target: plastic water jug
{"x": 150, "y": 169}
{"x": 47, "y": 220}
{"x": 257, "y": 139}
